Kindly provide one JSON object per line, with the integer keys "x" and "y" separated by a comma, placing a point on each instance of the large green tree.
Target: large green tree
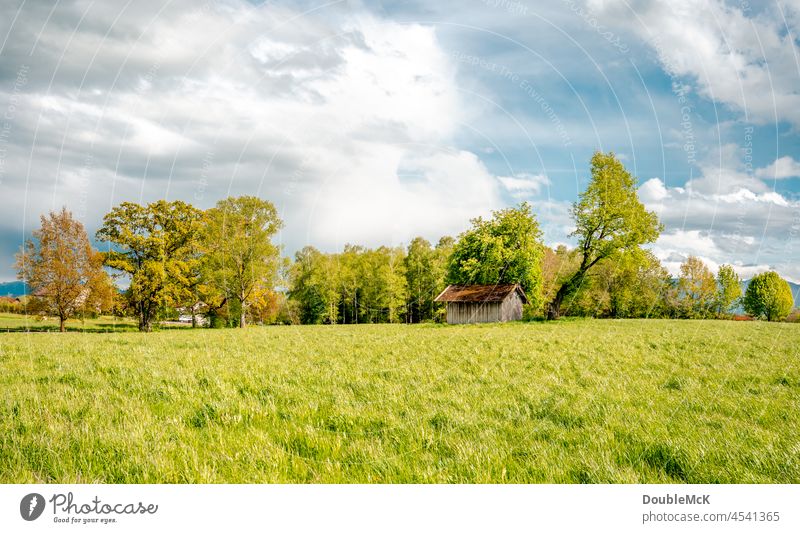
{"x": 504, "y": 249}
{"x": 239, "y": 253}
{"x": 64, "y": 273}
{"x": 729, "y": 290}
{"x": 154, "y": 245}
{"x": 768, "y": 296}
{"x": 609, "y": 219}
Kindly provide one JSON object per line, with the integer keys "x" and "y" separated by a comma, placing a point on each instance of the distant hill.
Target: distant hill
{"x": 18, "y": 288}
{"x": 13, "y": 288}
{"x": 796, "y": 293}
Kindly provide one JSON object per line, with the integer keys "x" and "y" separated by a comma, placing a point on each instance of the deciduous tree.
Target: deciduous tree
{"x": 154, "y": 245}
{"x": 768, "y": 296}
{"x": 65, "y": 274}
{"x": 609, "y": 218}
{"x": 729, "y": 290}
{"x": 425, "y": 270}
{"x": 697, "y": 289}
{"x": 240, "y": 255}
{"x": 315, "y": 286}
{"x": 637, "y": 284}
{"x": 505, "y": 249}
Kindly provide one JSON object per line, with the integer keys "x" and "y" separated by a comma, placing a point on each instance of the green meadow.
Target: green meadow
{"x": 573, "y": 401}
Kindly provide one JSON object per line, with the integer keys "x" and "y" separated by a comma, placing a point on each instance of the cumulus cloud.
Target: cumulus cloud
{"x": 674, "y": 247}
{"x": 324, "y": 114}
{"x": 725, "y": 215}
{"x": 524, "y": 185}
{"x": 781, "y": 168}
{"x": 744, "y": 59}
{"x": 722, "y": 198}
{"x": 363, "y": 125}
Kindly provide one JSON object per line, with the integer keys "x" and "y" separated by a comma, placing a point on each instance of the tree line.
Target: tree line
{"x": 221, "y": 267}
{"x": 219, "y": 264}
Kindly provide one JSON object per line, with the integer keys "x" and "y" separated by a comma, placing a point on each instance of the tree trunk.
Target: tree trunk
{"x": 145, "y": 323}
{"x": 61, "y": 321}
{"x": 554, "y": 307}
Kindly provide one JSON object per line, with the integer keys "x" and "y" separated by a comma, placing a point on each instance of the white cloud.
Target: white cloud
{"x": 673, "y": 248}
{"x": 346, "y": 122}
{"x": 652, "y": 191}
{"x": 782, "y": 168}
{"x": 747, "y": 60}
{"x": 722, "y": 171}
{"x": 435, "y": 193}
{"x": 724, "y": 215}
{"x": 524, "y": 185}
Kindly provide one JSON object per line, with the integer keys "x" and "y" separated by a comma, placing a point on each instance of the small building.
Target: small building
{"x": 468, "y": 304}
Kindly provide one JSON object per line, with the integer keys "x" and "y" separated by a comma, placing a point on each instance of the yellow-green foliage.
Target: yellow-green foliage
{"x": 570, "y": 401}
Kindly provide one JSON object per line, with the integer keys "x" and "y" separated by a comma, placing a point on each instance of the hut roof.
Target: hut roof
{"x": 480, "y": 293}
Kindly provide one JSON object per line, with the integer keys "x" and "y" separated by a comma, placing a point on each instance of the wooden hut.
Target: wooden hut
{"x": 467, "y": 304}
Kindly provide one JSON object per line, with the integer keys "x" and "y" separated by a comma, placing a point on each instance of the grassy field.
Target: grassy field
{"x": 12, "y": 322}
{"x": 575, "y": 401}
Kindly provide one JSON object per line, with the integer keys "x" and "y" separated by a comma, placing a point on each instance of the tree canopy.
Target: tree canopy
{"x": 65, "y": 274}
{"x": 768, "y": 296}
{"x": 238, "y": 251}
{"x": 153, "y": 245}
{"x": 609, "y": 218}
{"x": 425, "y": 270}
{"x": 697, "y": 288}
{"x": 222, "y": 265}
{"x": 729, "y": 290}
{"x": 504, "y": 249}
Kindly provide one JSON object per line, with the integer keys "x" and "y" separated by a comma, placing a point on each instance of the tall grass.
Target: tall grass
{"x": 575, "y": 401}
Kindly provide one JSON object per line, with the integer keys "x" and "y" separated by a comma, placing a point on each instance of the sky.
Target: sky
{"x": 372, "y": 122}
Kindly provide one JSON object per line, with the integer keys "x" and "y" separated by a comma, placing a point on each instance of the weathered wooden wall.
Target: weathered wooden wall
{"x": 469, "y": 312}
{"x": 511, "y": 309}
